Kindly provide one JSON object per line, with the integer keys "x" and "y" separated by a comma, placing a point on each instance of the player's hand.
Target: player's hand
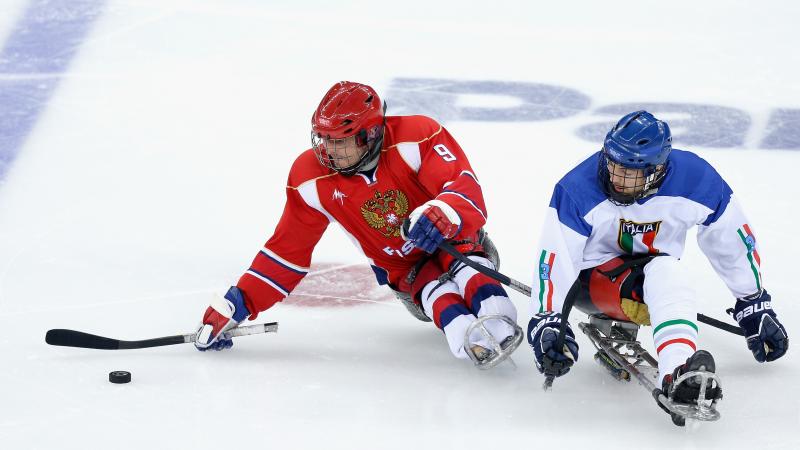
{"x": 766, "y": 337}
{"x": 430, "y": 224}
{"x": 543, "y": 331}
{"x": 223, "y": 314}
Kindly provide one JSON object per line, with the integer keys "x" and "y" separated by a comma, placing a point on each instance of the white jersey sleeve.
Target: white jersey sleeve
{"x": 730, "y": 245}
{"x": 560, "y": 252}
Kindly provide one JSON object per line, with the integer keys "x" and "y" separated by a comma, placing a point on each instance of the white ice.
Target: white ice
{"x": 157, "y": 170}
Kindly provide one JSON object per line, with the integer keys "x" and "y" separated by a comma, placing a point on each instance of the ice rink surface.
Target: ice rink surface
{"x": 145, "y": 148}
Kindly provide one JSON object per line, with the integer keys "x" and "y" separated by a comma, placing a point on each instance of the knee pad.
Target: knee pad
{"x": 667, "y": 275}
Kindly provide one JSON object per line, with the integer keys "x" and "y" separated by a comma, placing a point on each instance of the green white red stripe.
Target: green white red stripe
{"x": 546, "y": 260}
{"x": 675, "y": 332}
{"x": 749, "y": 241}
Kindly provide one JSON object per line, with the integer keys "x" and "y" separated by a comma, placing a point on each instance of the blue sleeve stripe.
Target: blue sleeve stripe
{"x": 282, "y": 264}
{"x": 568, "y": 213}
{"x": 269, "y": 281}
{"x": 381, "y": 274}
{"x": 459, "y": 194}
{"x": 471, "y": 175}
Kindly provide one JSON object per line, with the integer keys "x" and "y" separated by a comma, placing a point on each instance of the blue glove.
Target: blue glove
{"x": 766, "y": 337}
{"x": 542, "y": 335}
{"x": 222, "y": 315}
{"x": 430, "y": 224}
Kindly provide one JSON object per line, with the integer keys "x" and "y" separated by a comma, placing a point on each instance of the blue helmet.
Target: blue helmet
{"x": 640, "y": 142}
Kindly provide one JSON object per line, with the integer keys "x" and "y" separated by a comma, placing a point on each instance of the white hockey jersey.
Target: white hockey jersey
{"x": 583, "y": 229}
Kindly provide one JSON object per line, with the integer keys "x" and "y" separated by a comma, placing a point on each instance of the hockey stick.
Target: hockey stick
{"x": 552, "y": 366}
{"x": 526, "y": 290}
{"x": 72, "y": 338}
{"x": 735, "y": 329}
{"x": 510, "y": 282}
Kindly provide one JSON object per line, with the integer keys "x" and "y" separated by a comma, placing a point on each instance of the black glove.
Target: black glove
{"x": 542, "y": 335}
{"x": 766, "y": 337}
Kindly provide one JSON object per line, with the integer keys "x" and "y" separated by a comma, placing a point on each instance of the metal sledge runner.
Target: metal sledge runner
{"x": 622, "y": 355}
{"x": 611, "y": 295}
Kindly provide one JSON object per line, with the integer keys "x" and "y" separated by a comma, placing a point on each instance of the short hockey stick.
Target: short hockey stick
{"x": 526, "y": 290}
{"x": 735, "y": 329}
{"x": 72, "y": 338}
{"x": 550, "y": 371}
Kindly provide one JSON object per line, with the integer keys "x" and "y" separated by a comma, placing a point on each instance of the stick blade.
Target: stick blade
{"x": 72, "y": 338}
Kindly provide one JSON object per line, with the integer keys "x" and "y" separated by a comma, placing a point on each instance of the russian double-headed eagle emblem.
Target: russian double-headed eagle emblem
{"x": 385, "y": 212}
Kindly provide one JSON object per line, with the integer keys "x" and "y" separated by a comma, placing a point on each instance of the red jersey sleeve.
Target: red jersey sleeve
{"x": 446, "y": 173}
{"x": 286, "y": 257}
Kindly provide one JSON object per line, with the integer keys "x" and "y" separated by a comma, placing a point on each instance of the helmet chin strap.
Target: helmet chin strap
{"x": 369, "y": 166}
{"x": 652, "y": 183}
{"x": 649, "y": 189}
{"x": 368, "y": 160}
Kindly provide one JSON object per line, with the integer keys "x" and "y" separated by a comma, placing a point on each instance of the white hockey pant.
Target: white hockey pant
{"x": 673, "y": 312}
{"x": 457, "y": 303}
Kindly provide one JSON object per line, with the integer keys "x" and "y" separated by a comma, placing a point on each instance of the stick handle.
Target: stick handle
{"x": 271, "y": 327}
{"x": 735, "y": 329}
{"x": 491, "y": 273}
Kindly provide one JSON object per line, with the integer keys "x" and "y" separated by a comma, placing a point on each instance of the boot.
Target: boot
{"x": 688, "y": 391}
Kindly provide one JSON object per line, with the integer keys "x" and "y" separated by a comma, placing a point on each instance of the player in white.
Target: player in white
{"x": 632, "y": 203}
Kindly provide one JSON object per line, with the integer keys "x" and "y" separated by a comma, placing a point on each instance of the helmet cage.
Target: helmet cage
{"x": 335, "y": 153}
{"x": 634, "y": 183}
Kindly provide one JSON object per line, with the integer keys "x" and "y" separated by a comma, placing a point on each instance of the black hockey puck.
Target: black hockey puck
{"x": 119, "y": 377}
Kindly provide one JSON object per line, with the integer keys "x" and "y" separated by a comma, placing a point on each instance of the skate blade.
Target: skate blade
{"x": 701, "y": 413}
{"x": 705, "y": 409}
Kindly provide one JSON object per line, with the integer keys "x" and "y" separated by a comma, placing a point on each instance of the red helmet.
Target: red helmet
{"x": 348, "y": 109}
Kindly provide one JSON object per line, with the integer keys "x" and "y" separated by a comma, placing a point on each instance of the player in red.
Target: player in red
{"x": 369, "y": 173}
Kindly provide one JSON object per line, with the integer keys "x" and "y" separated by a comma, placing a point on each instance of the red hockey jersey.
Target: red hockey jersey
{"x": 419, "y": 161}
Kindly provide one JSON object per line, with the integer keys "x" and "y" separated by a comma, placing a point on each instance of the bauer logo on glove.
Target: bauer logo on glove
{"x": 755, "y": 308}
{"x": 543, "y": 330}
{"x": 766, "y": 336}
